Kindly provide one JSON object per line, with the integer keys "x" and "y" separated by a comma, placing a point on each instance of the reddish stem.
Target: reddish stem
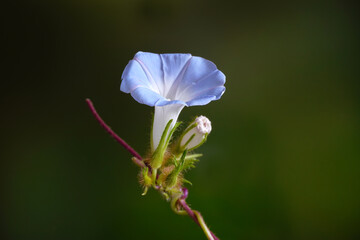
{"x": 111, "y": 132}
{"x": 190, "y": 212}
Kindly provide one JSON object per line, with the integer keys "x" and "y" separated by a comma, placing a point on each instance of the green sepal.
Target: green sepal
{"x": 145, "y": 175}
{"x": 188, "y": 141}
{"x": 187, "y": 181}
{"x": 189, "y": 163}
{"x": 158, "y": 155}
{"x": 145, "y": 191}
{"x": 147, "y": 180}
{"x": 171, "y": 133}
{"x": 188, "y": 129}
{"x": 171, "y": 180}
{"x": 193, "y": 156}
{"x": 178, "y": 148}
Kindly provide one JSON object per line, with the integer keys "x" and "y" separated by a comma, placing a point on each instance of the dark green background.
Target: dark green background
{"x": 282, "y": 162}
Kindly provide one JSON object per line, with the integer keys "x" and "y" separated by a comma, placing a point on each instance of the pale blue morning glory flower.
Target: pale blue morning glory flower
{"x": 169, "y": 82}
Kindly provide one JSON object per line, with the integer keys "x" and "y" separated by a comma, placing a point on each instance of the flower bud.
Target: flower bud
{"x": 196, "y": 134}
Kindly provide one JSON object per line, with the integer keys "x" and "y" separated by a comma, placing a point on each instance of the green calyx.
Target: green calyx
{"x": 164, "y": 169}
{"x": 158, "y": 156}
{"x": 172, "y": 179}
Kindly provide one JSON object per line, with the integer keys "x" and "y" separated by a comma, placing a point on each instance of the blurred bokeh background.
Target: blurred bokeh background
{"x": 282, "y": 162}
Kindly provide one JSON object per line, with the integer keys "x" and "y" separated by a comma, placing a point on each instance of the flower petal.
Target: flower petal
{"x": 162, "y": 69}
{"x": 198, "y": 69}
{"x": 201, "y": 86}
{"x": 174, "y": 66}
{"x": 134, "y": 77}
{"x": 146, "y": 96}
{"x": 165, "y": 102}
{"x": 207, "y": 96}
{"x": 152, "y": 66}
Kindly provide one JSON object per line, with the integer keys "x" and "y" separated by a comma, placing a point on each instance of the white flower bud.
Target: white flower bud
{"x": 196, "y": 133}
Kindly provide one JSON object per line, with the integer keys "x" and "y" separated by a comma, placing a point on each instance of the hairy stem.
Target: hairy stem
{"x": 111, "y": 132}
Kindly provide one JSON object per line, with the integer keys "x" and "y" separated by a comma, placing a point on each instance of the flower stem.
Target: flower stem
{"x": 111, "y": 132}
{"x": 196, "y": 216}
